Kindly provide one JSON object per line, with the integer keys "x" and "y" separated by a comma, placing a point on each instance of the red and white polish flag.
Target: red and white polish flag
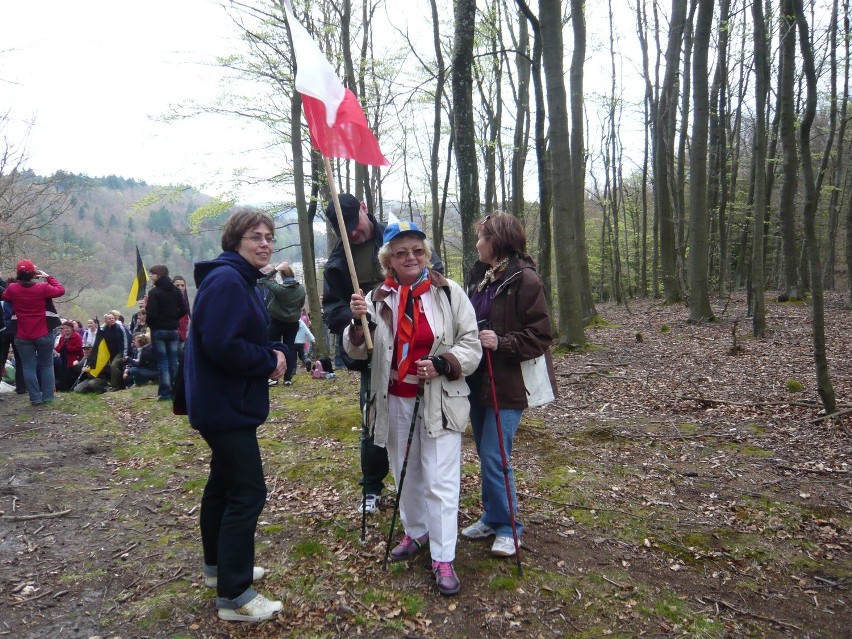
{"x": 336, "y": 122}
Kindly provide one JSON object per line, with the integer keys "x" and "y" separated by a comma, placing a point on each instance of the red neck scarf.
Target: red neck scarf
{"x": 408, "y": 316}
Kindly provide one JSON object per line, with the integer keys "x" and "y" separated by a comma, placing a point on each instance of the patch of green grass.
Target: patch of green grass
{"x": 195, "y": 485}
{"x": 793, "y": 386}
{"x": 748, "y": 451}
{"x": 675, "y": 610}
{"x": 597, "y": 432}
{"x": 664, "y": 328}
{"x": 599, "y": 322}
{"x": 272, "y": 529}
{"x": 307, "y": 548}
{"x": 502, "y": 582}
{"x": 334, "y": 416}
{"x": 687, "y": 428}
{"x": 374, "y": 595}
{"x": 413, "y": 604}
{"x": 90, "y": 575}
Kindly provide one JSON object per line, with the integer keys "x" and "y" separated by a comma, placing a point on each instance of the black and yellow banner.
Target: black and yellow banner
{"x": 140, "y": 282}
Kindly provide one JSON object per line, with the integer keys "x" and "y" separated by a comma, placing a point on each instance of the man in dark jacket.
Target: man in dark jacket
{"x": 165, "y": 306}
{"x": 365, "y": 238}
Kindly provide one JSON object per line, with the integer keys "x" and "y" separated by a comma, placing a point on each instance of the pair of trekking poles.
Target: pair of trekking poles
{"x": 411, "y": 429}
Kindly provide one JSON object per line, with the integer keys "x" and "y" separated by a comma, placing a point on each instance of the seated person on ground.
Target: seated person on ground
{"x": 69, "y": 351}
{"x": 88, "y": 384}
{"x": 142, "y": 367}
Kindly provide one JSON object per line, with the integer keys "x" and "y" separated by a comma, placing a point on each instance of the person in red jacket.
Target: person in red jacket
{"x": 69, "y": 351}
{"x": 33, "y": 338}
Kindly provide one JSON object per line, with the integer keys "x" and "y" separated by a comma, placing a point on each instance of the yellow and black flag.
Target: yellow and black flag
{"x": 100, "y": 353}
{"x": 137, "y": 289}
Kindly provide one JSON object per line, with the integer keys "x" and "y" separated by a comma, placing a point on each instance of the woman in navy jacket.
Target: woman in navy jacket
{"x": 229, "y": 359}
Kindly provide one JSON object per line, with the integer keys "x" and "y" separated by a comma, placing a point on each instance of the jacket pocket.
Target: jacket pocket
{"x": 455, "y": 405}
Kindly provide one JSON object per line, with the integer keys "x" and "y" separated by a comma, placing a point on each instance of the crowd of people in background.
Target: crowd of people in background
{"x": 144, "y": 350}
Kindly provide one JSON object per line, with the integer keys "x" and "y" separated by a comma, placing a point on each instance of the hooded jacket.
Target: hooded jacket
{"x": 228, "y": 356}
{"x": 453, "y": 322}
{"x": 287, "y": 298}
{"x": 165, "y": 306}
{"x": 520, "y": 319}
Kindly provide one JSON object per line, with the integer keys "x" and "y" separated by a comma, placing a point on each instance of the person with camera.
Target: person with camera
{"x": 34, "y": 339}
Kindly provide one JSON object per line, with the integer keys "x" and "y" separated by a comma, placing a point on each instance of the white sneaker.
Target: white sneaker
{"x": 504, "y": 546}
{"x": 477, "y": 530}
{"x": 256, "y": 573}
{"x": 373, "y": 503}
{"x": 273, "y": 382}
{"x": 258, "y": 609}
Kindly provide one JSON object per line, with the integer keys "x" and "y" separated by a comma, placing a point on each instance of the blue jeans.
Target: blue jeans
{"x": 166, "y": 351}
{"x": 494, "y": 502}
{"x": 138, "y": 375}
{"x": 37, "y": 362}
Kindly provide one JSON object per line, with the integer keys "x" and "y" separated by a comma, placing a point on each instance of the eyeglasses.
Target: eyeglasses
{"x": 404, "y": 253}
{"x": 260, "y": 239}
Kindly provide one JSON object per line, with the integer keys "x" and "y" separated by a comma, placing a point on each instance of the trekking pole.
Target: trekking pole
{"x": 364, "y": 426}
{"x": 77, "y": 381}
{"x": 505, "y": 462}
{"x": 402, "y": 472}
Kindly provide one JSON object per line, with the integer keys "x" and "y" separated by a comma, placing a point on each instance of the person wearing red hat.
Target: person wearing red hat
{"x": 33, "y": 338}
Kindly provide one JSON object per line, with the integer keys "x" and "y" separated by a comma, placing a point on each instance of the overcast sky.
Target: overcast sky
{"x": 96, "y": 75}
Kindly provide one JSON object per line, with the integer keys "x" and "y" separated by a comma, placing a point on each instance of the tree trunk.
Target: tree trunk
{"x": 664, "y": 156}
{"x": 305, "y": 218}
{"x": 679, "y": 182}
{"x": 761, "y": 89}
{"x": 543, "y": 161}
{"x": 465, "y": 132}
{"x": 434, "y": 163}
{"x": 571, "y": 333}
{"x": 787, "y": 110}
{"x": 578, "y": 156}
{"x": 699, "y": 220}
{"x": 717, "y": 190}
{"x": 650, "y": 117}
{"x": 824, "y": 385}
{"x": 611, "y": 143}
{"x": 849, "y": 250}
{"x": 837, "y": 174}
{"x": 522, "y": 119}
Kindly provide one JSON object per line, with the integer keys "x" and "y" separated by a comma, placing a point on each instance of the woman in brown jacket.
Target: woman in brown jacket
{"x": 508, "y": 297}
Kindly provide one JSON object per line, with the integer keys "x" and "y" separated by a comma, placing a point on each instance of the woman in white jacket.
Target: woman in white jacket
{"x": 425, "y": 340}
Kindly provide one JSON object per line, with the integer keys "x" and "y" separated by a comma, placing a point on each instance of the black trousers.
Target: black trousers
{"x": 230, "y": 506}
{"x": 374, "y": 459}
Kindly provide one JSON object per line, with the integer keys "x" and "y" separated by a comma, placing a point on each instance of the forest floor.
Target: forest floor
{"x": 674, "y": 489}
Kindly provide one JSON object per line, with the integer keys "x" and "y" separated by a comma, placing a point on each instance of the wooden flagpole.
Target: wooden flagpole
{"x": 344, "y": 237}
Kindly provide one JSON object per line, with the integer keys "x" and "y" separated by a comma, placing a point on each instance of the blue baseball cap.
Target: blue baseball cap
{"x": 403, "y": 227}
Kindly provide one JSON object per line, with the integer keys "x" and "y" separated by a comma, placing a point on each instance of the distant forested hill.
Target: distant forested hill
{"x": 91, "y": 246}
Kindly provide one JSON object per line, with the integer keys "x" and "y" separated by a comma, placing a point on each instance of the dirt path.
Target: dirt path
{"x": 674, "y": 489}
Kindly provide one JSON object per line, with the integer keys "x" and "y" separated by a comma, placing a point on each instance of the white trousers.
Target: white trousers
{"x": 429, "y": 502}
